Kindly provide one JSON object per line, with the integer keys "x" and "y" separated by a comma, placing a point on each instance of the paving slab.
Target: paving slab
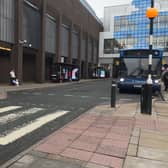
{"x": 154, "y": 135}
{"x": 118, "y": 143}
{"x": 91, "y": 147}
{"x": 136, "y": 132}
{"x": 28, "y": 159}
{"x": 112, "y": 151}
{"x": 153, "y": 143}
{"x": 133, "y": 162}
{"x": 107, "y": 160}
{"x": 115, "y": 136}
{"x": 124, "y": 131}
{"x": 18, "y": 165}
{"x": 93, "y": 165}
{"x": 134, "y": 140}
{"x": 132, "y": 150}
{"x": 77, "y": 154}
{"x": 154, "y": 154}
{"x": 145, "y": 122}
{"x": 46, "y": 163}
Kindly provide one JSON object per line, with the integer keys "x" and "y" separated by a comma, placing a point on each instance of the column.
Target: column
{"x": 80, "y": 50}
{"x": 92, "y": 48}
{"x": 58, "y": 41}
{"x": 70, "y": 44}
{"x": 87, "y": 52}
{"x": 97, "y": 56}
{"x": 17, "y": 50}
{"x": 40, "y": 58}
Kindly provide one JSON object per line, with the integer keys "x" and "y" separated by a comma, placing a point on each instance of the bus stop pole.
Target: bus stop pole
{"x": 149, "y": 82}
{"x": 151, "y": 14}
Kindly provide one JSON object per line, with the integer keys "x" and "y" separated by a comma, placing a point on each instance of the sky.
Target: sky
{"x": 98, "y": 5}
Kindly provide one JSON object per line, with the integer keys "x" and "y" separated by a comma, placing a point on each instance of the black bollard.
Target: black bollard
{"x": 146, "y": 99}
{"x": 113, "y": 94}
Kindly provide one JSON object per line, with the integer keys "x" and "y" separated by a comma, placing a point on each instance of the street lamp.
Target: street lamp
{"x": 24, "y": 42}
{"x": 151, "y": 13}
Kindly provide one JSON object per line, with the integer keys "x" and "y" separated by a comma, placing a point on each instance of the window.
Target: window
{"x": 111, "y": 46}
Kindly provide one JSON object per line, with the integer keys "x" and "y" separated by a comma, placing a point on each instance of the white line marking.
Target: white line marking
{"x": 15, "y": 116}
{"x": 84, "y": 96}
{"x": 16, "y": 134}
{"x": 68, "y": 95}
{"x": 126, "y": 99}
{"x": 9, "y": 108}
{"x": 51, "y": 94}
{"x": 104, "y": 98}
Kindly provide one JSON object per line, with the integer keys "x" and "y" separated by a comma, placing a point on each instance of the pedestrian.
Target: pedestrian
{"x": 165, "y": 78}
{"x": 13, "y": 79}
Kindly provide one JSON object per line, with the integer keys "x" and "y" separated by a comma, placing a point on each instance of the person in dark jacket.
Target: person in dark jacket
{"x": 165, "y": 79}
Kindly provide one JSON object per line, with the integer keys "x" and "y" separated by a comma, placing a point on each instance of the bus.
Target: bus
{"x": 133, "y": 69}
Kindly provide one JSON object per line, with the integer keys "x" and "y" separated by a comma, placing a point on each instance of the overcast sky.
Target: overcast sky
{"x": 98, "y": 5}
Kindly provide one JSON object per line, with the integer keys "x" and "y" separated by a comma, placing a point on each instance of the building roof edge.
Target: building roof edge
{"x": 90, "y": 10}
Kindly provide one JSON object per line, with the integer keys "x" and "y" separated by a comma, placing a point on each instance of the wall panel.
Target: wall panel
{"x": 7, "y": 17}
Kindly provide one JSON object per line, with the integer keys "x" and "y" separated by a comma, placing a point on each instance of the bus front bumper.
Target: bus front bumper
{"x": 132, "y": 87}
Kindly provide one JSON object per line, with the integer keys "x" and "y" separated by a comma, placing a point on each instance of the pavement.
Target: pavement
{"x": 104, "y": 137}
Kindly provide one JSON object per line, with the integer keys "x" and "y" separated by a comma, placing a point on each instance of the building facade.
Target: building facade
{"x": 127, "y": 26}
{"x": 35, "y": 34}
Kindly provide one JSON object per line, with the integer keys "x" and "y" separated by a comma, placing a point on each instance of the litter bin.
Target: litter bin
{"x": 146, "y": 99}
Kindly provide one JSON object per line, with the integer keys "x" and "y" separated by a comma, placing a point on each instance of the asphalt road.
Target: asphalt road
{"x": 46, "y": 110}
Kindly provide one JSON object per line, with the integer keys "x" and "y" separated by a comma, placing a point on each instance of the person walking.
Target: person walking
{"x": 13, "y": 80}
{"x": 165, "y": 78}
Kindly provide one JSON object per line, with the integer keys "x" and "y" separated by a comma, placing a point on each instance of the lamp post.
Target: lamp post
{"x": 151, "y": 14}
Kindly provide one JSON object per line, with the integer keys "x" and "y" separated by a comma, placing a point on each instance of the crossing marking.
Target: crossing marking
{"x": 68, "y": 95}
{"x": 20, "y": 132}
{"x": 51, "y": 94}
{"x": 9, "y": 108}
{"x": 104, "y": 98}
{"x": 15, "y": 116}
{"x": 128, "y": 99}
{"x": 84, "y": 96}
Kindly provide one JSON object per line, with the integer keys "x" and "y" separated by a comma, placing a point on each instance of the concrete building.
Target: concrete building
{"x": 34, "y": 34}
{"x": 126, "y": 26}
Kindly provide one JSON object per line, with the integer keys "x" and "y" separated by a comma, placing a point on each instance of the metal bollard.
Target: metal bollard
{"x": 113, "y": 94}
{"x": 146, "y": 99}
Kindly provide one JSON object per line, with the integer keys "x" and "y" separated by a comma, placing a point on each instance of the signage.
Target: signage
{"x": 5, "y": 49}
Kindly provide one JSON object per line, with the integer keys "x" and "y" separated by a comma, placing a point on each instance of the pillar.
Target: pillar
{"x": 40, "y": 58}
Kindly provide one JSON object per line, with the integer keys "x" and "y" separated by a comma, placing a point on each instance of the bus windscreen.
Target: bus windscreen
{"x": 139, "y": 67}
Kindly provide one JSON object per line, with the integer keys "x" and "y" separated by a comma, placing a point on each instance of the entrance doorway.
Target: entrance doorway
{"x": 29, "y": 65}
{"x": 48, "y": 66}
{"x": 5, "y": 66}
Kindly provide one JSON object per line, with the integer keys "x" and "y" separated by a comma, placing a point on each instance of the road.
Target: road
{"x": 28, "y": 116}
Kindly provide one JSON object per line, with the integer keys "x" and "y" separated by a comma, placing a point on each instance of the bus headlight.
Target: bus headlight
{"x": 156, "y": 81}
{"x": 121, "y": 79}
